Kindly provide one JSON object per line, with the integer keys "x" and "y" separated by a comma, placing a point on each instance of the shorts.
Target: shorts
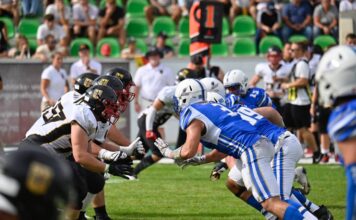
{"x": 157, "y": 12}
{"x": 324, "y": 114}
{"x": 235, "y": 173}
{"x": 297, "y": 116}
{"x": 148, "y": 144}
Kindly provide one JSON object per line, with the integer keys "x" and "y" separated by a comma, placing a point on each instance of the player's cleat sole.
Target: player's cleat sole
{"x": 302, "y": 179}
{"x": 323, "y": 213}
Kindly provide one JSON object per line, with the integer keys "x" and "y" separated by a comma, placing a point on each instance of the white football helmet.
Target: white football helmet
{"x": 188, "y": 92}
{"x": 236, "y": 81}
{"x": 213, "y": 85}
{"x": 336, "y": 74}
{"x": 215, "y": 98}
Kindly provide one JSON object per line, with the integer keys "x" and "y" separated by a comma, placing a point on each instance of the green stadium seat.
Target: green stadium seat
{"x": 221, "y": 49}
{"x": 75, "y": 44}
{"x": 225, "y": 27}
{"x": 244, "y": 47}
{"x": 32, "y": 43}
{"x": 114, "y": 46}
{"x": 164, "y": 23}
{"x": 183, "y": 27}
{"x": 269, "y": 41}
{"x": 183, "y": 47}
{"x": 10, "y": 27}
{"x": 136, "y": 8}
{"x": 244, "y": 26}
{"x": 137, "y": 27}
{"x": 103, "y": 2}
{"x": 142, "y": 45}
{"x": 28, "y": 27}
{"x": 297, "y": 38}
{"x": 324, "y": 41}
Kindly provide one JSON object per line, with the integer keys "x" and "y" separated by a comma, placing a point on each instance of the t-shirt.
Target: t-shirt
{"x": 326, "y": 17}
{"x": 166, "y": 49}
{"x": 346, "y": 5}
{"x": 58, "y": 79}
{"x": 296, "y": 14}
{"x": 268, "y": 19}
{"x": 44, "y": 31}
{"x": 78, "y": 68}
{"x": 302, "y": 97}
{"x": 118, "y": 14}
{"x": 79, "y": 14}
{"x": 52, "y": 9}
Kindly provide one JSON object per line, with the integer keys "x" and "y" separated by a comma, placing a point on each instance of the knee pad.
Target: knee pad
{"x": 95, "y": 182}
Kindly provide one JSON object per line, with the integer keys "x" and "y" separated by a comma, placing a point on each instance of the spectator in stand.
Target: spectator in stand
{"x": 54, "y": 82}
{"x": 268, "y": 22}
{"x": 131, "y": 51}
{"x": 297, "y": 19}
{"x": 47, "y": 50}
{"x": 51, "y": 28}
{"x": 4, "y": 45}
{"x": 112, "y": 22}
{"x": 347, "y": 5}
{"x": 9, "y": 8}
{"x": 161, "y": 45}
{"x": 326, "y": 19}
{"x": 84, "y": 64}
{"x": 163, "y": 7}
{"x": 62, "y": 15}
{"x": 84, "y": 16}
{"x": 151, "y": 78}
{"x": 32, "y": 8}
{"x": 238, "y": 7}
{"x": 350, "y": 39}
{"x": 257, "y": 5}
{"x": 21, "y": 50}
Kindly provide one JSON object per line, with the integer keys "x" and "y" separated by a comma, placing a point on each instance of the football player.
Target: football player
{"x": 234, "y": 134}
{"x": 336, "y": 80}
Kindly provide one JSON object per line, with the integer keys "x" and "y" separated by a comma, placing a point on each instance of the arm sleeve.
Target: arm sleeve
{"x": 45, "y": 74}
{"x": 259, "y": 70}
{"x": 85, "y": 119}
{"x": 40, "y": 35}
{"x": 137, "y": 78}
{"x": 150, "y": 116}
{"x": 302, "y": 70}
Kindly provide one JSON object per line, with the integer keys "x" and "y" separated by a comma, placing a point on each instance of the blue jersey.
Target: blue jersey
{"x": 342, "y": 122}
{"x": 227, "y": 131}
{"x": 254, "y": 98}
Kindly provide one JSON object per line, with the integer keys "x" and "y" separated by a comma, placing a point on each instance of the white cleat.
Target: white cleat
{"x": 302, "y": 179}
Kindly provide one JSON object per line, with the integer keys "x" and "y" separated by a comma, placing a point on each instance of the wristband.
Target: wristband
{"x": 106, "y": 170}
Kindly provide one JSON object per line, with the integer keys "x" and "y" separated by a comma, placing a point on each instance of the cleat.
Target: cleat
{"x": 323, "y": 213}
{"x": 302, "y": 179}
{"x": 325, "y": 158}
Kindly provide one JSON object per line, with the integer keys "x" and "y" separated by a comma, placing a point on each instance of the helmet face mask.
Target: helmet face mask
{"x": 188, "y": 92}
{"x": 111, "y": 112}
{"x": 235, "y": 81}
{"x": 126, "y": 79}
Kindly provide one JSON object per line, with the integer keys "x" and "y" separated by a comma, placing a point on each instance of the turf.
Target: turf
{"x": 167, "y": 192}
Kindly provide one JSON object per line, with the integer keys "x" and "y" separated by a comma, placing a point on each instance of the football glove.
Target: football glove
{"x": 194, "y": 161}
{"x": 136, "y": 144}
{"x": 150, "y": 135}
{"x": 163, "y": 147}
{"x": 121, "y": 170}
{"x": 218, "y": 169}
{"x": 111, "y": 155}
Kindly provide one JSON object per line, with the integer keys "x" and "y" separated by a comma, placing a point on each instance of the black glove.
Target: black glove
{"x": 121, "y": 170}
{"x": 218, "y": 170}
{"x": 138, "y": 155}
{"x": 127, "y": 161}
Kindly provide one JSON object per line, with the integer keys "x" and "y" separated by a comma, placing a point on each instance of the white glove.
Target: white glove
{"x": 111, "y": 155}
{"x": 163, "y": 147}
{"x": 194, "y": 161}
{"x": 136, "y": 144}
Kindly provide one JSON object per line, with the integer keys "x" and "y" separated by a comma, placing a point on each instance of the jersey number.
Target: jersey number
{"x": 249, "y": 115}
{"x": 254, "y": 93}
{"x": 54, "y": 113}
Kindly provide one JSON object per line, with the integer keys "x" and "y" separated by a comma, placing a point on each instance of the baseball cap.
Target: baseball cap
{"x": 197, "y": 60}
{"x": 270, "y": 6}
{"x": 105, "y": 50}
{"x": 153, "y": 51}
{"x": 131, "y": 40}
{"x": 274, "y": 50}
{"x": 83, "y": 47}
{"x": 162, "y": 34}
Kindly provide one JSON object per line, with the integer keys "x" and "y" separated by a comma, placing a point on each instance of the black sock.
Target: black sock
{"x": 145, "y": 162}
{"x": 100, "y": 211}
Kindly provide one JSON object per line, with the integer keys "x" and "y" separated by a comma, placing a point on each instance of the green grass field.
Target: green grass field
{"x": 167, "y": 192}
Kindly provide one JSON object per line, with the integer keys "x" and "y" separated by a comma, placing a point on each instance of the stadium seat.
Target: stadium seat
{"x": 75, "y": 44}
{"x": 103, "y": 2}
{"x": 324, "y": 41}
{"x": 269, "y": 41}
{"x": 164, "y": 23}
{"x": 10, "y": 28}
{"x": 244, "y": 47}
{"x": 135, "y": 8}
{"x": 28, "y": 27}
{"x": 183, "y": 47}
{"x": 221, "y": 49}
{"x": 142, "y": 45}
{"x": 243, "y": 26}
{"x": 114, "y": 46}
{"x": 137, "y": 27}
{"x": 32, "y": 43}
{"x": 183, "y": 27}
{"x": 225, "y": 27}
{"x": 297, "y": 38}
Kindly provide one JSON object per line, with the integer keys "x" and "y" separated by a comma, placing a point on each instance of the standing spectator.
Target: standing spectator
{"x": 163, "y": 7}
{"x": 161, "y": 45}
{"x": 112, "y": 22}
{"x": 131, "y": 51}
{"x": 3, "y": 40}
{"x": 326, "y": 19}
{"x": 47, "y": 50}
{"x": 297, "y": 115}
{"x": 84, "y": 16}
{"x": 50, "y": 27}
{"x": 84, "y": 64}
{"x": 350, "y": 39}
{"x": 62, "y": 15}
{"x": 9, "y": 8}
{"x": 151, "y": 78}
{"x": 53, "y": 82}
{"x": 197, "y": 65}
{"x": 297, "y": 19}
{"x": 32, "y": 7}
{"x": 347, "y": 5}
{"x": 21, "y": 50}
{"x": 268, "y": 22}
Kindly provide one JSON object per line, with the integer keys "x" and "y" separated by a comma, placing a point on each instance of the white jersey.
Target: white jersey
{"x": 53, "y": 129}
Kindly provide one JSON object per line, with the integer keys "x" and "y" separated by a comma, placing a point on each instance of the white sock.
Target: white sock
{"x": 306, "y": 214}
{"x": 86, "y": 201}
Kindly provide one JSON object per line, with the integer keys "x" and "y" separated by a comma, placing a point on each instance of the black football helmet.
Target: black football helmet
{"x": 103, "y": 102}
{"x": 36, "y": 183}
{"x": 186, "y": 73}
{"x": 84, "y": 81}
{"x": 126, "y": 79}
{"x": 116, "y": 84}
